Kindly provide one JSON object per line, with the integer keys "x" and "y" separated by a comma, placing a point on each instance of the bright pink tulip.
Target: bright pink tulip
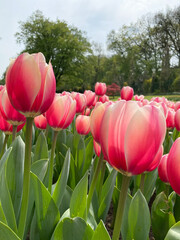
{"x": 90, "y": 97}
{"x": 104, "y": 99}
{"x": 138, "y": 97}
{"x": 127, "y": 93}
{"x": 97, "y": 148}
{"x": 130, "y": 136}
{"x": 1, "y": 87}
{"x": 100, "y": 88}
{"x": 177, "y": 106}
{"x": 8, "y": 112}
{"x": 6, "y": 127}
{"x": 73, "y": 94}
{"x": 61, "y": 112}
{"x": 30, "y": 84}
{"x": 173, "y": 166}
{"x": 177, "y": 120}
{"x": 83, "y": 124}
{"x": 162, "y": 169}
{"x": 154, "y": 164}
{"x": 170, "y": 118}
{"x": 80, "y": 102}
{"x": 95, "y": 101}
{"x": 87, "y": 111}
{"x": 96, "y": 119}
{"x": 66, "y": 93}
{"x": 40, "y": 122}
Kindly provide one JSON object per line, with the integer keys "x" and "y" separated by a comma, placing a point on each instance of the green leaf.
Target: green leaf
{"x": 5, "y": 196}
{"x": 6, "y": 233}
{"x": 106, "y": 195}
{"x": 79, "y": 198}
{"x": 14, "y": 173}
{"x": 41, "y": 148}
{"x": 62, "y": 181}
{"x": 72, "y": 229}
{"x": 2, "y": 215}
{"x": 161, "y": 216}
{"x": 39, "y": 168}
{"x": 2, "y": 137}
{"x": 47, "y": 214}
{"x": 174, "y": 232}
{"x": 139, "y": 217}
{"x": 72, "y": 174}
{"x": 80, "y": 158}
{"x": 101, "y": 232}
{"x": 65, "y": 203}
{"x": 88, "y": 154}
{"x": 177, "y": 208}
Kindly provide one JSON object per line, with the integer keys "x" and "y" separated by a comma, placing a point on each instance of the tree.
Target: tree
{"x": 65, "y": 46}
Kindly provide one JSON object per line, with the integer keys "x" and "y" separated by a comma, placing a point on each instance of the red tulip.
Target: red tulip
{"x": 177, "y": 106}
{"x": 90, "y": 97}
{"x": 162, "y": 169}
{"x": 83, "y": 124}
{"x": 177, "y": 120}
{"x": 80, "y": 102}
{"x": 104, "y": 99}
{"x": 96, "y": 119}
{"x": 30, "y": 84}
{"x": 173, "y": 166}
{"x": 130, "y": 136}
{"x": 97, "y": 148}
{"x": 154, "y": 164}
{"x": 100, "y": 88}
{"x": 127, "y": 93}
{"x": 40, "y": 122}
{"x": 61, "y": 112}
{"x": 6, "y": 127}
{"x": 8, "y": 112}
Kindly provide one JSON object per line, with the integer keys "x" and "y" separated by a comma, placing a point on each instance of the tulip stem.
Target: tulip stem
{"x": 26, "y": 178}
{"x": 94, "y": 181}
{"x": 143, "y": 175}
{"x": 46, "y": 130}
{"x": 14, "y": 132}
{"x": 52, "y": 161}
{"x": 4, "y": 145}
{"x": 121, "y": 206}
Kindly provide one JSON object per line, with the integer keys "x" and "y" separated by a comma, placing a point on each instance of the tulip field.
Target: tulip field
{"x": 78, "y": 166}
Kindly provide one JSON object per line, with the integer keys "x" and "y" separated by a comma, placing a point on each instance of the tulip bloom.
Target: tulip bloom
{"x": 162, "y": 169}
{"x": 100, "y": 88}
{"x": 83, "y": 124}
{"x": 30, "y": 84}
{"x": 40, "y": 122}
{"x": 177, "y": 120}
{"x": 139, "y": 97}
{"x": 170, "y": 118}
{"x": 8, "y": 112}
{"x": 177, "y": 106}
{"x": 80, "y": 102}
{"x": 173, "y": 166}
{"x": 90, "y": 97}
{"x": 61, "y": 112}
{"x": 130, "y": 136}
{"x": 127, "y": 93}
{"x": 104, "y": 99}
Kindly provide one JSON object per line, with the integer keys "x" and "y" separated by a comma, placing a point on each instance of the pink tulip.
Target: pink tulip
{"x": 90, "y": 97}
{"x": 8, "y": 112}
{"x": 6, "y": 127}
{"x": 100, "y": 88}
{"x": 130, "y": 136}
{"x": 1, "y": 87}
{"x": 97, "y": 148}
{"x": 104, "y": 99}
{"x": 61, "y": 113}
{"x": 40, "y": 122}
{"x": 87, "y": 111}
{"x": 162, "y": 169}
{"x": 95, "y": 101}
{"x": 80, "y": 102}
{"x": 30, "y": 84}
{"x": 177, "y": 120}
{"x": 127, "y": 93}
{"x": 73, "y": 94}
{"x": 139, "y": 98}
{"x": 173, "y": 166}
{"x": 96, "y": 119}
{"x": 170, "y": 118}
{"x": 83, "y": 124}
{"x": 154, "y": 164}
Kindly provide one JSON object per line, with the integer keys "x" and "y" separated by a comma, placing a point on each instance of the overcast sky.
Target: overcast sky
{"x": 96, "y": 17}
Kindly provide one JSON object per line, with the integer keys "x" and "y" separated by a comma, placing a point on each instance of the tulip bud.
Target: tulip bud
{"x": 90, "y": 97}
{"x": 127, "y": 93}
{"x": 177, "y": 120}
{"x": 40, "y": 122}
{"x": 162, "y": 169}
{"x": 100, "y": 88}
{"x": 83, "y": 124}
